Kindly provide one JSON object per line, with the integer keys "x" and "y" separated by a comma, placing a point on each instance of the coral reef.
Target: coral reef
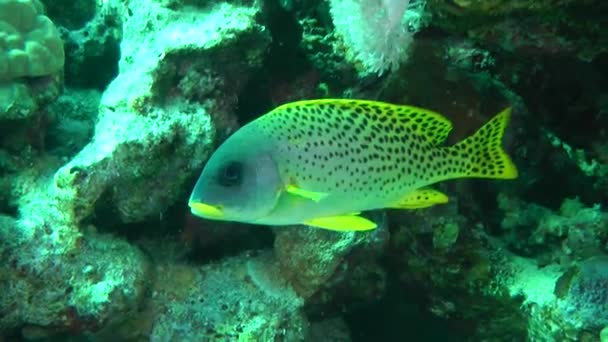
{"x": 572, "y": 234}
{"x": 528, "y": 26}
{"x": 157, "y": 126}
{"x": 315, "y": 261}
{"x": 109, "y": 109}
{"x": 238, "y": 299}
{"x": 584, "y": 293}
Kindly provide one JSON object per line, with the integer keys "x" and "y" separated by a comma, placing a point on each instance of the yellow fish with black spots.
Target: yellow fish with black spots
{"x": 322, "y": 162}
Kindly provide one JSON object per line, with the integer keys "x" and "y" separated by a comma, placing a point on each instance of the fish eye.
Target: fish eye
{"x": 231, "y": 174}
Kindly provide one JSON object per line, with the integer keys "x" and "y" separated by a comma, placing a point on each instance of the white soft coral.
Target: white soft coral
{"x": 376, "y": 33}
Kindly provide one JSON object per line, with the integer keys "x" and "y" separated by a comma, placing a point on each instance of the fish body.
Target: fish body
{"x": 322, "y": 162}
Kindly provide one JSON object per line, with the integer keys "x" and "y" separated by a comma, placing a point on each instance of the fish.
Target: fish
{"x": 323, "y": 162}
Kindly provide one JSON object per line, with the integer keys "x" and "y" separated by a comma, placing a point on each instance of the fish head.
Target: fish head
{"x": 240, "y": 182}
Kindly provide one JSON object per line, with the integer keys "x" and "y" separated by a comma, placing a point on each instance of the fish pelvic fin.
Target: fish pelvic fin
{"x": 342, "y": 223}
{"x": 481, "y": 154}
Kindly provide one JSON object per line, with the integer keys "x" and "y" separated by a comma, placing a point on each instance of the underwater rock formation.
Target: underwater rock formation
{"x": 240, "y": 298}
{"x": 96, "y": 240}
{"x": 150, "y": 135}
{"x": 313, "y": 260}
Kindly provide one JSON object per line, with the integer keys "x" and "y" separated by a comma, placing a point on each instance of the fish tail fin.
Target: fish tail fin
{"x": 481, "y": 154}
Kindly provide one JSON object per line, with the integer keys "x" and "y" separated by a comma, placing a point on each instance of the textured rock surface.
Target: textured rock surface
{"x": 151, "y": 135}
{"x": 313, "y": 260}
{"x": 242, "y": 299}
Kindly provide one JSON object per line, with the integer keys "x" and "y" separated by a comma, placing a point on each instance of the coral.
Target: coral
{"x": 311, "y": 259}
{"x": 534, "y": 286}
{"x": 177, "y": 4}
{"x": 462, "y": 282}
{"x": 31, "y": 43}
{"x": 376, "y": 33}
{"x": 147, "y": 141}
{"x": 238, "y": 299}
{"x": 92, "y": 41}
{"x": 589, "y": 167}
{"x": 31, "y": 59}
{"x": 174, "y": 127}
{"x": 562, "y": 306}
{"x": 575, "y": 231}
{"x": 464, "y": 54}
{"x": 534, "y": 296}
{"x": 96, "y": 240}
{"x": 69, "y": 279}
{"x": 445, "y": 235}
{"x": 318, "y": 42}
{"x": 73, "y": 15}
{"x": 541, "y": 27}
{"x": 72, "y": 121}
{"x": 494, "y": 7}
{"x": 584, "y": 292}
{"x": 22, "y": 98}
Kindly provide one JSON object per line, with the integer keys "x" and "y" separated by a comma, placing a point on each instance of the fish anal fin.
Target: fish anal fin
{"x": 421, "y": 198}
{"x": 342, "y": 223}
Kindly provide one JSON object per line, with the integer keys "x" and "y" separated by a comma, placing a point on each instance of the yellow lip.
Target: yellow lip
{"x": 205, "y": 210}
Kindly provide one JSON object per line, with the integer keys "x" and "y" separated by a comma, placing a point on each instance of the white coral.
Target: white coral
{"x": 376, "y": 33}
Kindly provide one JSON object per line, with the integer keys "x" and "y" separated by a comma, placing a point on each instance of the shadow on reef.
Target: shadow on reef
{"x": 567, "y": 103}
{"x": 283, "y": 65}
{"x": 400, "y": 315}
{"x": 92, "y": 35}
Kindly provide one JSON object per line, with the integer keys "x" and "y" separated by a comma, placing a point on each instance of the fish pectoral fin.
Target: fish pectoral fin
{"x": 421, "y": 198}
{"x": 311, "y": 195}
{"x": 342, "y": 223}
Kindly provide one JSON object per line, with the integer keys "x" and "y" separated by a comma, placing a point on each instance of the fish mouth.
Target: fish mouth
{"x": 206, "y": 210}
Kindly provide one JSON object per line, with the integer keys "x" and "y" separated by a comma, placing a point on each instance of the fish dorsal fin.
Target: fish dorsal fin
{"x": 427, "y": 123}
{"x": 343, "y": 223}
{"x": 431, "y": 125}
{"x": 421, "y": 198}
